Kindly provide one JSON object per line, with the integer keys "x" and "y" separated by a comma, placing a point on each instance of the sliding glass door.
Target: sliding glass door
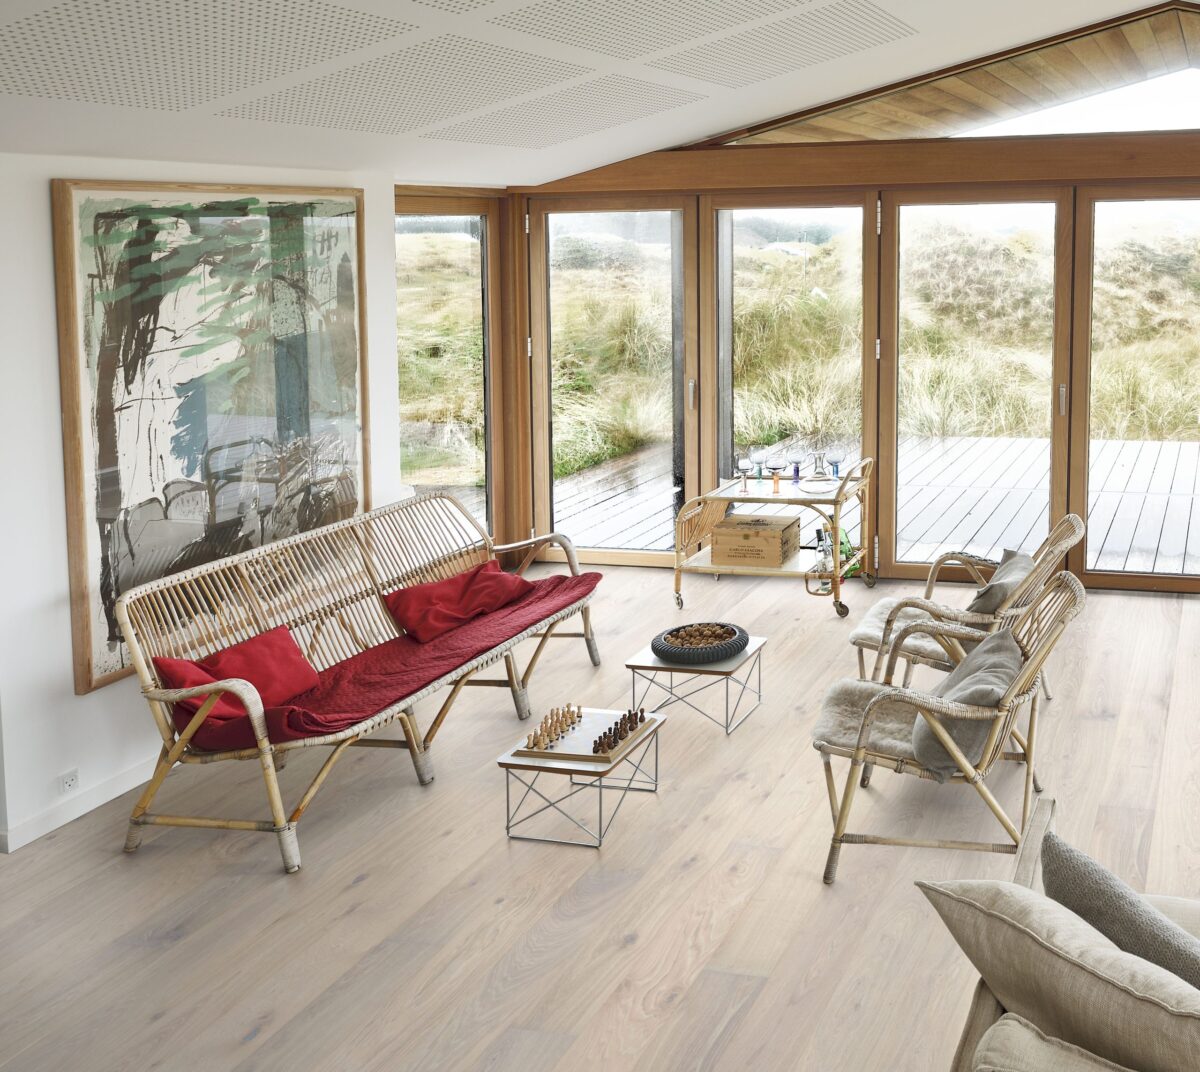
{"x": 974, "y": 356}
{"x": 614, "y": 379}
{"x": 1136, "y": 451}
{"x": 443, "y": 350}
{"x": 790, "y": 358}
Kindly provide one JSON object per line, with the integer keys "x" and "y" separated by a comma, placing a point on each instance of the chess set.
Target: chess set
{"x": 578, "y": 734}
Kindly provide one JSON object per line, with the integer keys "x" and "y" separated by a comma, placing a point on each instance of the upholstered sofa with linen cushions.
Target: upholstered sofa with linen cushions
{"x": 1056, "y": 993}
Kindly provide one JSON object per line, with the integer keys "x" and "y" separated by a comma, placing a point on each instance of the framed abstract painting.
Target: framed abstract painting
{"x": 211, "y": 349}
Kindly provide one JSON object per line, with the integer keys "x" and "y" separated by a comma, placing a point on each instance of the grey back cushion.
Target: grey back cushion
{"x": 981, "y": 679}
{"x": 1122, "y": 915}
{"x": 1014, "y": 567}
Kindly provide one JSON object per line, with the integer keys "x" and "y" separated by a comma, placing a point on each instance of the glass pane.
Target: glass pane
{"x": 975, "y": 373}
{"x": 791, "y": 337}
{"x": 616, "y": 366}
{"x": 442, "y": 354}
{"x": 1144, "y": 413}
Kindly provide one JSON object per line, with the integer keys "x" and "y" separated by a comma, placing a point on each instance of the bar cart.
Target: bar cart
{"x": 827, "y": 498}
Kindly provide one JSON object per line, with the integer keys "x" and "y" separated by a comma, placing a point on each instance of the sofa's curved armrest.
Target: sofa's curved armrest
{"x": 236, "y": 686}
{"x": 533, "y": 546}
{"x": 951, "y": 631}
{"x": 975, "y": 565}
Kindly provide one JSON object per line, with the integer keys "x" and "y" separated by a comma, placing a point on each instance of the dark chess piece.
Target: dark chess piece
{"x": 642, "y": 715}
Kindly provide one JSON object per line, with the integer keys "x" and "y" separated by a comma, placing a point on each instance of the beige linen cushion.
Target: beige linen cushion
{"x": 980, "y": 680}
{"x": 1047, "y": 965}
{"x": 1013, "y": 1044}
{"x": 1014, "y": 567}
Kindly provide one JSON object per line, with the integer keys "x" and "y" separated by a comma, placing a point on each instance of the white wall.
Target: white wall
{"x": 45, "y": 729}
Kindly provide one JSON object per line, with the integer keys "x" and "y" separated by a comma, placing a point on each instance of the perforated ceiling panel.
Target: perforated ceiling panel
{"x": 812, "y": 37}
{"x": 569, "y": 113}
{"x": 629, "y": 28}
{"x": 456, "y": 7}
{"x": 411, "y": 88}
{"x": 175, "y": 54}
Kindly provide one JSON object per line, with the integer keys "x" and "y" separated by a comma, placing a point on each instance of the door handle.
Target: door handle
{"x": 691, "y": 394}
{"x": 1062, "y": 399}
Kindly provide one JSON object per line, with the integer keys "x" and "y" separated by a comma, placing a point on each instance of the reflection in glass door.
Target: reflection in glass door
{"x": 616, "y": 365}
{"x": 1143, "y": 421}
{"x": 974, "y": 379}
{"x": 442, "y": 351}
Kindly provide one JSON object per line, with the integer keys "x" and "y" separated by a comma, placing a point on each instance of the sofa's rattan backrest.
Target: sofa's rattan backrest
{"x": 1047, "y": 560}
{"x": 326, "y": 586}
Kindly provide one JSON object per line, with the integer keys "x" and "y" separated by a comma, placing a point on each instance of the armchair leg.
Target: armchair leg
{"x": 589, "y": 638}
{"x": 1046, "y": 687}
{"x": 909, "y": 667}
{"x": 865, "y": 780}
{"x": 133, "y": 836}
{"x": 862, "y": 664}
{"x": 289, "y": 847}
{"x": 839, "y": 828}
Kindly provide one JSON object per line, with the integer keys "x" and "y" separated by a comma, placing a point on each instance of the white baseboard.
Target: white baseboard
{"x": 16, "y": 837}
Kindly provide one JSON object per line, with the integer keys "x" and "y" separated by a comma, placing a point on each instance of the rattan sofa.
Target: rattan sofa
{"x": 327, "y": 586}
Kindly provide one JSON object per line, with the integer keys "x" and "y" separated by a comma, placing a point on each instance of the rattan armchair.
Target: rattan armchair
{"x": 870, "y": 723}
{"x": 880, "y": 628}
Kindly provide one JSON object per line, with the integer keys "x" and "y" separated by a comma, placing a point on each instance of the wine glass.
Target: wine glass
{"x": 835, "y": 455}
{"x": 775, "y": 465}
{"x": 744, "y": 466}
{"x": 795, "y": 459}
{"x": 758, "y": 455}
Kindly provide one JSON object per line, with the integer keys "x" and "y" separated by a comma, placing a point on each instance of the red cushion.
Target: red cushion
{"x": 272, "y": 662}
{"x": 352, "y": 691}
{"x": 426, "y": 611}
{"x": 185, "y": 674}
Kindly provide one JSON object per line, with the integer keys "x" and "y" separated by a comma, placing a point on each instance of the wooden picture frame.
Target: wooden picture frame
{"x": 224, "y": 326}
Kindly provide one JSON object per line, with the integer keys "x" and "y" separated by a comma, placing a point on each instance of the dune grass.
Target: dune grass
{"x": 975, "y": 345}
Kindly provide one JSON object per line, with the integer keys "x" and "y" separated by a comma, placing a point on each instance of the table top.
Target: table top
{"x": 582, "y": 766}
{"x": 647, "y": 660}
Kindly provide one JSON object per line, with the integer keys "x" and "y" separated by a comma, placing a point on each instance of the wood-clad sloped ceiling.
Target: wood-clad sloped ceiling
{"x": 1120, "y": 53}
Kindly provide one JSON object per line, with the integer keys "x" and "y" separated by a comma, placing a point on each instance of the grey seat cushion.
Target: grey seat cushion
{"x": 841, "y": 717}
{"x": 1013, "y": 1044}
{"x": 868, "y": 634}
{"x": 1014, "y": 567}
{"x": 1118, "y": 912}
{"x": 981, "y": 679}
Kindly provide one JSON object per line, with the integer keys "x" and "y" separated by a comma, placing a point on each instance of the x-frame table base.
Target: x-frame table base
{"x": 524, "y": 800}
{"x": 682, "y": 684}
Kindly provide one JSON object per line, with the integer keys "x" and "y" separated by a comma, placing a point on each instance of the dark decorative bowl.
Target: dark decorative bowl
{"x": 710, "y": 653}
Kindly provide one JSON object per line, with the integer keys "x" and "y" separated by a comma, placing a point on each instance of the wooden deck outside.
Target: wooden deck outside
{"x": 956, "y": 493}
{"x": 977, "y": 494}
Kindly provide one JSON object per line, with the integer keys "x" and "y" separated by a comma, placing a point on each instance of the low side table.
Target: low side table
{"x": 740, "y": 676}
{"x": 635, "y": 771}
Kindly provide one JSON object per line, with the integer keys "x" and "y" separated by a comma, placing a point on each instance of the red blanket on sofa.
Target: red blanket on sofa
{"x": 374, "y": 680}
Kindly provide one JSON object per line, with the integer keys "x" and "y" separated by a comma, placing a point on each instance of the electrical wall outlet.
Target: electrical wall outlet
{"x": 69, "y": 782}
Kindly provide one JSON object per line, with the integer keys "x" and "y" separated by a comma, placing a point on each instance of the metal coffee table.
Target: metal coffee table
{"x": 740, "y": 676}
{"x": 632, "y": 770}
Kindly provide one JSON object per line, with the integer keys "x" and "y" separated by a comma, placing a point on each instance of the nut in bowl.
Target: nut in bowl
{"x": 701, "y": 642}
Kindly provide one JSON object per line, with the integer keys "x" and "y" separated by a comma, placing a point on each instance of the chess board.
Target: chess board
{"x": 576, "y": 744}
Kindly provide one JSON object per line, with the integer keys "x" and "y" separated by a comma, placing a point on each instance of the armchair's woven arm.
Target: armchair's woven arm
{"x": 975, "y": 564}
{"x": 936, "y": 611}
{"x": 236, "y": 686}
{"x": 533, "y": 546}
{"x": 950, "y": 631}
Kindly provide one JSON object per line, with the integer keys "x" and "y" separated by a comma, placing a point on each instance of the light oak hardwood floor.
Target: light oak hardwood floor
{"x": 417, "y": 936}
